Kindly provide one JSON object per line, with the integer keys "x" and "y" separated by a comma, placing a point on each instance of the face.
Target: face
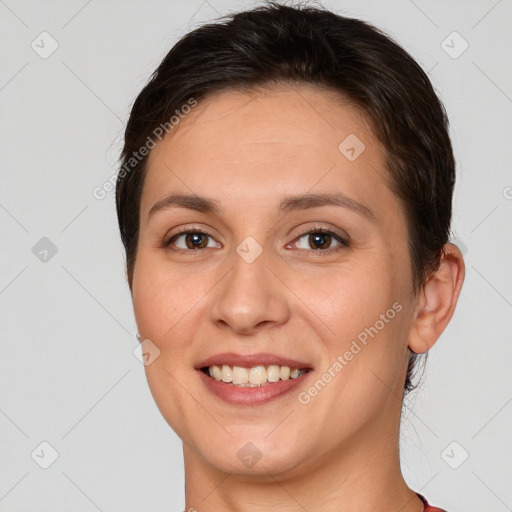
{"x": 295, "y": 269}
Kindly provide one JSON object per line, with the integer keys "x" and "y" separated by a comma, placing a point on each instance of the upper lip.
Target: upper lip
{"x": 250, "y": 360}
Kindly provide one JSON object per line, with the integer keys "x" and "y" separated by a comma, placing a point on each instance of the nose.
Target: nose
{"x": 250, "y": 297}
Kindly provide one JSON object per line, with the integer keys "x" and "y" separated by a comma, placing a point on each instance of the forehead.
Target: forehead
{"x": 253, "y": 145}
{"x": 280, "y": 119}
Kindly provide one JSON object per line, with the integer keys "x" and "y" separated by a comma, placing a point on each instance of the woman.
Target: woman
{"x": 284, "y": 201}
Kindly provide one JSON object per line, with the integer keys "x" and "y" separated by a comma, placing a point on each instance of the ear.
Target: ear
{"x": 437, "y": 300}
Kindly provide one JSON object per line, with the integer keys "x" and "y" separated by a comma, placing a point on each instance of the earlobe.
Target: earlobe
{"x": 437, "y": 300}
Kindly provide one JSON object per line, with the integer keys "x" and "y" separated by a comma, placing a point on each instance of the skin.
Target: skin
{"x": 248, "y": 150}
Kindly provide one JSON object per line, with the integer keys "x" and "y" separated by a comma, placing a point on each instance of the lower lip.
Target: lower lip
{"x": 250, "y": 396}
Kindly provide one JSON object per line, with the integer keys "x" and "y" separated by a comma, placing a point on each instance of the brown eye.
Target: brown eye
{"x": 196, "y": 240}
{"x": 321, "y": 239}
{"x": 191, "y": 240}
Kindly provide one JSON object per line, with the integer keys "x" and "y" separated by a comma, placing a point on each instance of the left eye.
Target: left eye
{"x": 320, "y": 240}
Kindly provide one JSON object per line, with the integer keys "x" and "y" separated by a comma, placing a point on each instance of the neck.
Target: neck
{"x": 361, "y": 474}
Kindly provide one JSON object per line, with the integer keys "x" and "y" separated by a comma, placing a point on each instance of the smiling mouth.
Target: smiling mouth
{"x": 256, "y": 376}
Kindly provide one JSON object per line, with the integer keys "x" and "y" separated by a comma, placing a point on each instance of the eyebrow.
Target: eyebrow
{"x": 287, "y": 204}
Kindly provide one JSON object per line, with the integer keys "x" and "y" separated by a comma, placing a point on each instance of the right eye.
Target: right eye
{"x": 190, "y": 239}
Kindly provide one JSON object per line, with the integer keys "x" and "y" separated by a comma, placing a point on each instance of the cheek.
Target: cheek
{"x": 349, "y": 297}
{"x": 162, "y": 298}
{"x": 165, "y": 303}
{"x": 362, "y": 307}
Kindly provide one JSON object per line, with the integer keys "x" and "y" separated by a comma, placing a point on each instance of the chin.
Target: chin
{"x": 252, "y": 460}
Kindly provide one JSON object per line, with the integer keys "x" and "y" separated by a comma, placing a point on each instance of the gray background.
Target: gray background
{"x": 68, "y": 374}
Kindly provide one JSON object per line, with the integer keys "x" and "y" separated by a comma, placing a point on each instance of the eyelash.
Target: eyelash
{"x": 344, "y": 242}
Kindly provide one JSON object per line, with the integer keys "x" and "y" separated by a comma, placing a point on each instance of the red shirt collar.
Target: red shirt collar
{"x": 427, "y": 507}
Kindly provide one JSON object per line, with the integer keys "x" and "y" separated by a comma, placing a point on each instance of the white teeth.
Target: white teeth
{"x": 258, "y": 375}
{"x": 295, "y": 373}
{"x": 216, "y": 372}
{"x": 226, "y": 373}
{"x": 273, "y": 373}
{"x": 284, "y": 372}
{"x": 240, "y": 375}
